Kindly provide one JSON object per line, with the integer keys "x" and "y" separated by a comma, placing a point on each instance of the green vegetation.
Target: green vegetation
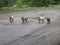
{"x": 7, "y": 3}
{"x": 27, "y": 5}
{"x": 31, "y": 3}
{"x": 8, "y": 9}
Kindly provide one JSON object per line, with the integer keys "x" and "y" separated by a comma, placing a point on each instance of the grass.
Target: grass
{"x": 9, "y": 9}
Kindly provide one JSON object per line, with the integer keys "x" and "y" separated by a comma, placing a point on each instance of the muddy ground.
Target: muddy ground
{"x": 31, "y": 33}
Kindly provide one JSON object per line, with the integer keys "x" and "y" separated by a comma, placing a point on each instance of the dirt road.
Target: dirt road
{"x": 31, "y": 33}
